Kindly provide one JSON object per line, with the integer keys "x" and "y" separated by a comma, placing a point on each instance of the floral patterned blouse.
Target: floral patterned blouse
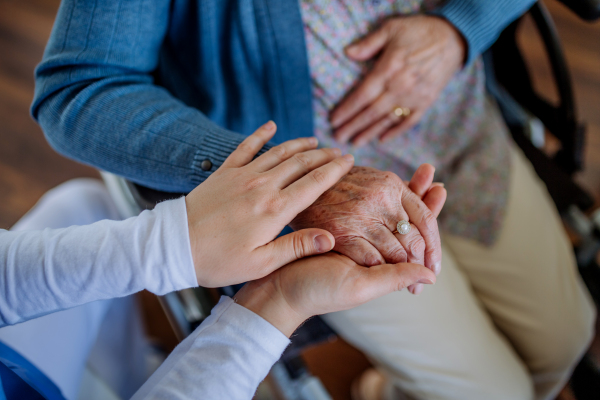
{"x": 462, "y": 134}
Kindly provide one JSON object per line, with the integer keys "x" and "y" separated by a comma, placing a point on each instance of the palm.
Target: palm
{"x": 332, "y": 282}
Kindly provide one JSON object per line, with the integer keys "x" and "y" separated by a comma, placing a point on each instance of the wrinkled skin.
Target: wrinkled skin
{"x": 416, "y": 58}
{"x": 362, "y": 210}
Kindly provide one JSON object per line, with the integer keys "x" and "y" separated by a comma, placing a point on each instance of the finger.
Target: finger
{"x": 387, "y": 278}
{"x": 246, "y": 150}
{"x": 367, "y": 92}
{"x": 375, "y": 130}
{"x": 306, "y": 190}
{"x": 301, "y": 164}
{"x": 416, "y": 289}
{"x": 286, "y": 150}
{"x": 380, "y": 108}
{"x": 359, "y": 250}
{"x": 387, "y": 70}
{"x": 435, "y": 199}
{"x": 387, "y": 245}
{"x": 403, "y": 126}
{"x": 426, "y": 223}
{"x": 293, "y": 246}
{"x": 422, "y": 179}
{"x": 413, "y": 244}
{"x": 369, "y": 46}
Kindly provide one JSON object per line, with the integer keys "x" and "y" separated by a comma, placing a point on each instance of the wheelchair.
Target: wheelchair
{"x": 527, "y": 115}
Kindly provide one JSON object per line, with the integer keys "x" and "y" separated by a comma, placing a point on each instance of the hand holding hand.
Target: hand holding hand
{"x": 362, "y": 210}
{"x": 418, "y": 56}
{"x": 235, "y": 215}
{"x": 323, "y": 284}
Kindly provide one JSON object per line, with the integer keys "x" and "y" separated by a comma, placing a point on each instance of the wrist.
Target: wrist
{"x": 263, "y": 299}
{"x": 456, "y": 38}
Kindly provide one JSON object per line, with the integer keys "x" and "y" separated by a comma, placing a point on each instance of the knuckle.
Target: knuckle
{"x": 280, "y": 152}
{"x": 245, "y": 147}
{"x": 429, "y": 221}
{"x": 371, "y": 90}
{"x": 416, "y": 247}
{"x": 274, "y": 205}
{"x": 299, "y": 246}
{"x": 319, "y": 176}
{"x": 303, "y": 160}
{"x": 254, "y": 183}
{"x": 398, "y": 255}
{"x": 390, "y": 176}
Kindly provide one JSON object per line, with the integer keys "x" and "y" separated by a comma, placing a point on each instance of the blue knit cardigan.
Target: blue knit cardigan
{"x": 152, "y": 89}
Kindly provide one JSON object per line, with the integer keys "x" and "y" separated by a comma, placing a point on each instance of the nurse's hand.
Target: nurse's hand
{"x": 324, "y": 284}
{"x": 235, "y": 215}
{"x": 417, "y": 56}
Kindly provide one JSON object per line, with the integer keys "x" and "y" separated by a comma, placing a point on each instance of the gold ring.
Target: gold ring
{"x": 401, "y": 111}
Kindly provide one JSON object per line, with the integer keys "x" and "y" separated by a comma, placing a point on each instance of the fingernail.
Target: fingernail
{"x": 418, "y": 289}
{"x": 437, "y": 268}
{"x": 349, "y": 158}
{"x": 313, "y": 141}
{"x": 337, "y": 152}
{"x": 269, "y": 126}
{"x": 425, "y": 281}
{"x": 322, "y": 244}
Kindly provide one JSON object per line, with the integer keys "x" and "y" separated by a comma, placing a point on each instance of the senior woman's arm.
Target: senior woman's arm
{"x": 481, "y": 22}
{"x": 96, "y": 100}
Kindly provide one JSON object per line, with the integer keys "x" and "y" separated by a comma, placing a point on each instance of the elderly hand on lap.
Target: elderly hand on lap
{"x": 417, "y": 56}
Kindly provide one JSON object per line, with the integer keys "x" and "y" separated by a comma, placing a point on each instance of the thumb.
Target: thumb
{"x": 368, "y": 46}
{"x": 422, "y": 179}
{"x": 296, "y": 245}
{"x": 435, "y": 199}
{"x": 383, "y": 279}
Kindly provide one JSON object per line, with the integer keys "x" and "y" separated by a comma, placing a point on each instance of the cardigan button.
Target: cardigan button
{"x": 206, "y": 165}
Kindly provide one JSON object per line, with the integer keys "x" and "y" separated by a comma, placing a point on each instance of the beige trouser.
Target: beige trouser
{"x": 506, "y": 322}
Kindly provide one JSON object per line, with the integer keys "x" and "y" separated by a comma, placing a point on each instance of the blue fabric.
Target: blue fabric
{"x": 482, "y": 21}
{"x": 19, "y": 379}
{"x": 150, "y": 89}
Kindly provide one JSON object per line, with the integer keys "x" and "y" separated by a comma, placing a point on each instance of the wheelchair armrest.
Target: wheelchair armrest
{"x": 588, "y": 10}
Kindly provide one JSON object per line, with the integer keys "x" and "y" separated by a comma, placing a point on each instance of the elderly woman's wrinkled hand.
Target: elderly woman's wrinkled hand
{"x": 362, "y": 210}
{"x": 417, "y": 57}
{"x": 242, "y": 207}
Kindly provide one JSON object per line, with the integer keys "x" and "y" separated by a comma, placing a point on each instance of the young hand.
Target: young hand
{"x": 324, "y": 284}
{"x": 235, "y": 215}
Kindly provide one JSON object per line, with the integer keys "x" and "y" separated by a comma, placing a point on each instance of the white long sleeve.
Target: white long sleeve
{"x": 41, "y": 272}
{"x": 226, "y": 357}
{"x": 56, "y": 269}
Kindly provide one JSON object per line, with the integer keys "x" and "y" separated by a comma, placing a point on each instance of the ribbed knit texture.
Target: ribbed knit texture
{"x": 481, "y": 21}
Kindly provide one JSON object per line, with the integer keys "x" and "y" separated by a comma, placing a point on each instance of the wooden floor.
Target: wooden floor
{"x": 29, "y": 167}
